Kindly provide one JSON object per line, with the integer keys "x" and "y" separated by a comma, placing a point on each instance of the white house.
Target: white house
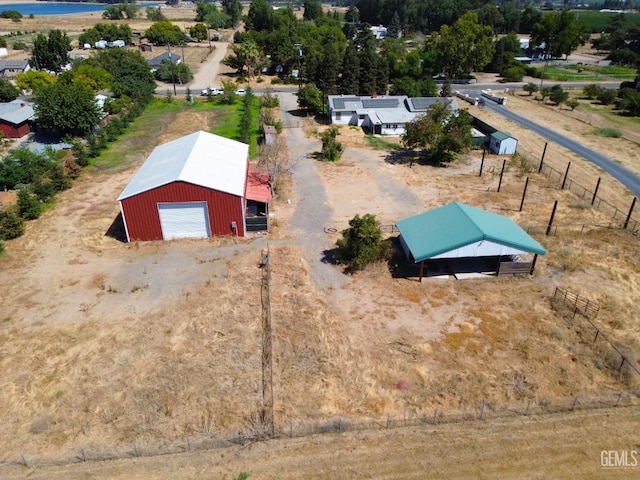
{"x": 384, "y": 115}
{"x": 379, "y": 32}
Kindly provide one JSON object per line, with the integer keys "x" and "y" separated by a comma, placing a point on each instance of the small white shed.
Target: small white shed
{"x": 502, "y": 143}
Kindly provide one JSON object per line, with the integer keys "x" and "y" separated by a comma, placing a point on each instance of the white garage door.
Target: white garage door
{"x": 184, "y": 220}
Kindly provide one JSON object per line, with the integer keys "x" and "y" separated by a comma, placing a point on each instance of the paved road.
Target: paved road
{"x": 624, "y": 176}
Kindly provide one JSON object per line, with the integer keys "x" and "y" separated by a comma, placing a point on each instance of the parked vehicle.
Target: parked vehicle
{"x": 211, "y": 91}
{"x": 241, "y": 92}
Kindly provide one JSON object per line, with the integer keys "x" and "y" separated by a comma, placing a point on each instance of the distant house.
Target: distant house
{"x": 384, "y": 115}
{"x": 463, "y": 240}
{"x": 15, "y": 117}
{"x": 379, "y": 32}
{"x": 11, "y": 68}
{"x": 155, "y": 62}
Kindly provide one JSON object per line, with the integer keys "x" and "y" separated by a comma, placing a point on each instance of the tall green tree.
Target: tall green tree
{"x": 50, "y": 52}
{"x": 232, "y": 8}
{"x": 440, "y": 133}
{"x": 560, "y": 33}
{"x": 312, "y": 9}
{"x": 34, "y": 80}
{"x": 260, "y": 16}
{"x": 131, "y": 74}
{"x": 199, "y": 32}
{"x": 165, "y": 33}
{"x": 349, "y": 81}
{"x": 463, "y": 48}
{"x": 67, "y": 107}
{"x": 8, "y": 91}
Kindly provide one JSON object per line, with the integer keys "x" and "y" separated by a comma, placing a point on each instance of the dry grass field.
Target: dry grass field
{"x": 104, "y": 345}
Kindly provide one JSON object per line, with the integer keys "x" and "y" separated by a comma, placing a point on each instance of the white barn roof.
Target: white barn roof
{"x": 202, "y": 159}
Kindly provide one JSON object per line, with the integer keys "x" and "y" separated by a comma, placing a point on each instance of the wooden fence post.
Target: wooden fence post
{"x": 482, "y": 411}
{"x": 542, "y": 159}
{"x": 482, "y": 161}
{"x": 575, "y": 402}
{"x": 504, "y": 162}
{"x": 633, "y": 204}
{"x": 595, "y": 192}
{"x": 388, "y": 421}
{"x": 553, "y": 214}
{"x": 435, "y": 417}
{"x": 526, "y": 413}
{"x": 524, "y": 192}
{"x": 618, "y": 400}
{"x": 566, "y": 174}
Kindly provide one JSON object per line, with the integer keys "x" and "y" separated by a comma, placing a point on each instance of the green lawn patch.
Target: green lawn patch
{"x": 141, "y": 136}
{"x": 378, "y": 143}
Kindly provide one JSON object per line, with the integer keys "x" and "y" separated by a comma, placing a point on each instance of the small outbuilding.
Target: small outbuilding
{"x": 15, "y": 118}
{"x": 193, "y": 187}
{"x": 464, "y": 239}
{"x": 502, "y": 143}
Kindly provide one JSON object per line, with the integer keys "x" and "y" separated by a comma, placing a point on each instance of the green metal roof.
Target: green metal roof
{"x": 501, "y": 135}
{"x": 456, "y": 225}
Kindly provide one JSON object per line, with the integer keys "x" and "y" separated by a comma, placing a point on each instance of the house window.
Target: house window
{"x": 395, "y": 126}
{"x": 361, "y": 117}
{"x": 338, "y": 115}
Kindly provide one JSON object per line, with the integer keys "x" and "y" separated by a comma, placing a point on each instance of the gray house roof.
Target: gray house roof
{"x": 16, "y": 112}
{"x": 398, "y": 109}
{"x": 156, "y": 61}
{"x": 13, "y": 64}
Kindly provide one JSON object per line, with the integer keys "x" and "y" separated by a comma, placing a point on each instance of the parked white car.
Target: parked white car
{"x": 211, "y": 91}
{"x": 241, "y": 92}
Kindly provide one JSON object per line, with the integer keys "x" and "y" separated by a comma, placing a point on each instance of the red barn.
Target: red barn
{"x": 192, "y": 187}
{"x": 15, "y": 117}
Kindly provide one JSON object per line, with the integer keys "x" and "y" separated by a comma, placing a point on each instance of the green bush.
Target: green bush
{"x": 607, "y": 96}
{"x": 513, "y": 74}
{"x": 2, "y": 247}
{"x": 362, "y": 243}
{"x": 11, "y": 225}
{"x": 29, "y": 207}
{"x": 608, "y": 132}
{"x": 592, "y": 91}
{"x": 331, "y": 148}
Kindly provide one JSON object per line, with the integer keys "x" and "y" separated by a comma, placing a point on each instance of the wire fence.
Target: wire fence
{"x": 609, "y": 353}
{"x": 610, "y": 200}
{"x": 296, "y": 428}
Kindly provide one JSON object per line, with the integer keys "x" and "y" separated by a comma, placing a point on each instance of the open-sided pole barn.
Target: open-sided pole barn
{"x": 467, "y": 237}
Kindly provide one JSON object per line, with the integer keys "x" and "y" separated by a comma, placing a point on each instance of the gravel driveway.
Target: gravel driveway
{"x": 312, "y": 213}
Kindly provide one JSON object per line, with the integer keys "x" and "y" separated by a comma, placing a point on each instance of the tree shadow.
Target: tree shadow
{"x": 412, "y": 157}
{"x": 116, "y": 230}
{"x": 316, "y": 156}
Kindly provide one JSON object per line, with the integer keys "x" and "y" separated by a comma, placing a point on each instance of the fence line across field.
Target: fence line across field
{"x": 481, "y": 411}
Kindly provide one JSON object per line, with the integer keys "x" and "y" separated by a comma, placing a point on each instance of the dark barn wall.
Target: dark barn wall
{"x": 143, "y": 222}
{"x": 14, "y": 131}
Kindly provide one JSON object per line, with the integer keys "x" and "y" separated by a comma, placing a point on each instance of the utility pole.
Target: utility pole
{"x": 299, "y": 55}
{"x": 173, "y": 78}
